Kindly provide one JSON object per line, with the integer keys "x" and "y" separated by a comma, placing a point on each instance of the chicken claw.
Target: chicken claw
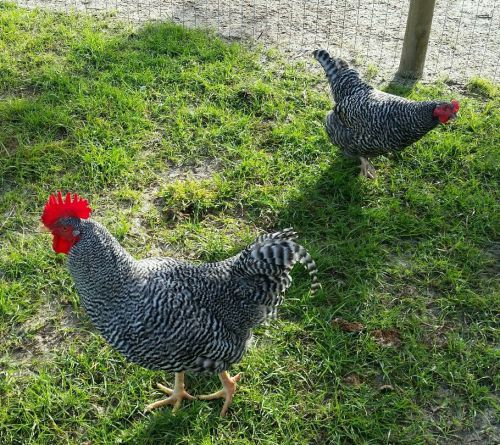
{"x": 227, "y": 392}
{"x": 176, "y": 395}
{"x": 367, "y": 168}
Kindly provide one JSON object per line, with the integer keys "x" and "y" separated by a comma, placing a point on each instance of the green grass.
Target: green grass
{"x": 187, "y": 146}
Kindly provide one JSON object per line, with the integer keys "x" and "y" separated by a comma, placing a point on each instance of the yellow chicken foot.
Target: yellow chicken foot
{"x": 229, "y": 388}
{"x": 176, "y": 395}
{"x": 367, "y": 169}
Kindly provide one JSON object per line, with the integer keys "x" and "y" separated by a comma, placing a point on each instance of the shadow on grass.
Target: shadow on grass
{"x": 401, "y": 86}
{"x": 332, "y": 222}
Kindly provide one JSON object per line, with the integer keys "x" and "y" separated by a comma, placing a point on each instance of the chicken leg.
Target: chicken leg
{"x": 367, "y": 168}
{"x": 176, "y": 395}
{"x": 227, "y": 392}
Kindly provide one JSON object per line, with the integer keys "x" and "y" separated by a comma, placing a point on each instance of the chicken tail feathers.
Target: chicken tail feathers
{"x": 263, "y": 270}
{"x": 333, "y": 67}
{"x": 344, "y": 81}
{"x": 276, "y": 256}
{"x": 306, "y": 260}
{"x": 265, "y": 266}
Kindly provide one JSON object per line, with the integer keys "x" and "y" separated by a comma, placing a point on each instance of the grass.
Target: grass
{"x": 188, "y": 146}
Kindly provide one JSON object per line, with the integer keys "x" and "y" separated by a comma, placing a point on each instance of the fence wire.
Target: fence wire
{"x": 464, "y": 41}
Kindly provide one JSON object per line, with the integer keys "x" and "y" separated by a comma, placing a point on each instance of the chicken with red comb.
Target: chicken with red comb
{"x": 168, "y": 314}
{"x": 57, "y": 209}
{"x": 367, "y": 122}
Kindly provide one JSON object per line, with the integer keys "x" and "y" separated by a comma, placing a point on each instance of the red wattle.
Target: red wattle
{"x": 61, "y": 245}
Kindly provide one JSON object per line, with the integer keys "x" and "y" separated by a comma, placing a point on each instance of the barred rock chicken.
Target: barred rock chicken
{"x": 367, "y": 122}
{"x": 171, "y": 315}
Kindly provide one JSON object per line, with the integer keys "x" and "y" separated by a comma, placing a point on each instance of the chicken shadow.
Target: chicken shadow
{"x": 333, "y": 223}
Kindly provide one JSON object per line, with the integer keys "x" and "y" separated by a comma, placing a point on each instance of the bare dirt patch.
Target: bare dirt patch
{"x": 486, "y": 430}
{"x": 43, "y": 335}
{"x": 468, "y": 428}
{"x": 348, "y": 326}
{"x": 387, "y": 337}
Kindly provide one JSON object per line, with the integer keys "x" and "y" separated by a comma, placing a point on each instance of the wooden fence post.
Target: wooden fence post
{"x": 418, "y": 28}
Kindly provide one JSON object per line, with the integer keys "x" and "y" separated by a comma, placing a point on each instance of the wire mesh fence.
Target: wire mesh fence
{"x": 464, "y": 41}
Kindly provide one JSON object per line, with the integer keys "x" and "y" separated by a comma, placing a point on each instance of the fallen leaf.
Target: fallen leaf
{"x": 348, "y": 326}
{"x": 386, "y": 337}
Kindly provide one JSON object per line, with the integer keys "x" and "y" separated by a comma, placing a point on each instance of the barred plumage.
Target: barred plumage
{"x": 367, "y": 122}
{"x": 168, "y": 314}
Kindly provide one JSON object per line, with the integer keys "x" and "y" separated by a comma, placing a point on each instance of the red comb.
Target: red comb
{"x": 456, "y": 105}
{"x": 57, "y": 207}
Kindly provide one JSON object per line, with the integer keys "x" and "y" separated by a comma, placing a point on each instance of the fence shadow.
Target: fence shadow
{"x": 401, "y": 86}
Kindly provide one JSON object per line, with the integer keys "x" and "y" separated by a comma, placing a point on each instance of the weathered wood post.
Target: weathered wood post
{"x": 418, "y": 28}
